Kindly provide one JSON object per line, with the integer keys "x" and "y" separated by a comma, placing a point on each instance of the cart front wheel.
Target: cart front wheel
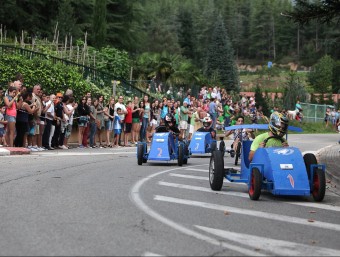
{"x": 319, "y": 185}
{"x": 255, "y": 184}
{"x": 216, "y": 170}
{"x": 140, "y": 153}
{"x": 180, "y": 155}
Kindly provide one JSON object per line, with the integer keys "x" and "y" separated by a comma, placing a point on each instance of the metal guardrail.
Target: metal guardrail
{"x": 99, "y": 77}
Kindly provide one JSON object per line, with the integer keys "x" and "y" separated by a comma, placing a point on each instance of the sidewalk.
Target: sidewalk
{"x": 4, "y": 151}
{"x": 330, "y": 156}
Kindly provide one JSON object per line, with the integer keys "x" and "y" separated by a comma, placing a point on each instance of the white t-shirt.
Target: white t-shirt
{"x": 50, "y": 110}
{"x": 2, "y": 119}
{"x": 70, "y": 108}
{"x": 121, "y": 106}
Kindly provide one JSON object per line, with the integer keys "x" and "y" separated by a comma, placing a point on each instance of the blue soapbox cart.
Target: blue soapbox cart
{"x": 279, "y": 170}
{"x": 202, "y": 142}
{"x": 165, "y": 147}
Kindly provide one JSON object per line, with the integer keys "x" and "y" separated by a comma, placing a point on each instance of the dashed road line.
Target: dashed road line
{"x": 258, "y": 214}
{"x": 274, "y": 246}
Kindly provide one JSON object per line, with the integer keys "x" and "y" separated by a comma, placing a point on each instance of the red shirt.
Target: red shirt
{"x": 128, "y": 116}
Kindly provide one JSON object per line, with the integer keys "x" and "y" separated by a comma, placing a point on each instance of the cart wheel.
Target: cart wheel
{"x": 180, "y": 159}
{"x": 238, "y": 152}
{"x": 309, "y": 159}
{"x": 140, "y": 153}
{"x": 146, "y": 150}
{"x": 213, "y": 146}
{"x": 186, "y": 153}
{"x": 216, "y": 170}
{"x": 319, "y": 185}
{"x": 222, "y": 147}
{"x": 255, "y": 184}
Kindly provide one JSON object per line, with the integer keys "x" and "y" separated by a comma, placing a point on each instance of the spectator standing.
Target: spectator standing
{"x": 135, "y": 121}
{"x": 128, "y": 123}
{"x": 59, "y": 115}
{"x": 117, "y": 127}
{"x": 49, "y": 117}
{"x": 109, "y": 112}
{"x": 122, "y": 112}
{"x": 3, "y": 123}
{"x": 94, "y": 122}
{"x": 11, "y": 114}
{"x": 212, "y": 111}
{"x": 71, "y": 106}
{"x": 183, "y": 119}
{"x": 146, "y": 117}
{"x": 83, "y": 112}
{"x": 100, "y": 119}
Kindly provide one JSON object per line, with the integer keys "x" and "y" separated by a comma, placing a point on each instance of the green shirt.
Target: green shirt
{"x": 184, "y": 116}
{"x": 260, "y": 138}
{"x": 226, "y": 111}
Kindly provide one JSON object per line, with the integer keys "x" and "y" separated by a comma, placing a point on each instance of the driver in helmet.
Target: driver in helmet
{"x": 207, "y": 122}
{"x": 278, "y": 125}
{"x": 169, "y": 125}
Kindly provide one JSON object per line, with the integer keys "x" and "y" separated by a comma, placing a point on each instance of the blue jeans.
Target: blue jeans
{"x": 213, "y": 117}
{"x": 145, "y": 122}
{"x": 226, "y": 121}
{"x": 93, "y": 129}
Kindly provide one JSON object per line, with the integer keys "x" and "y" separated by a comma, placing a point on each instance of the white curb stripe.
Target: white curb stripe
{"x": 258, "y": 214}
{"x": 274, "y": 246}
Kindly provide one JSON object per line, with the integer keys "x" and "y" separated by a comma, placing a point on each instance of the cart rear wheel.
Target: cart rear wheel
{"x": 238, "y": 152}
{"x": 222, "y": 147}
{"x": 319, "y": 185}
{"x": 255, "y": 184}
{"x": 180, "y": 159}
{"x": 216, "y": 170}
{"x": 186, "y": 153}
{"x": 213, "y": 146}
{"x": 140, "y": 153}
{"x": 145, "y": 151}
{"x": 309, "y": 159}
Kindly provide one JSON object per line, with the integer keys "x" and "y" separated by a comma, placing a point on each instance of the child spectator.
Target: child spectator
{"x": 3, "y": 122}
{"x": 117, "y": 127}
{"x": 11, "y": 114}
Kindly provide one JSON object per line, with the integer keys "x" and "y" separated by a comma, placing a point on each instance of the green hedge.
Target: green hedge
{"x": 52, "y": 77}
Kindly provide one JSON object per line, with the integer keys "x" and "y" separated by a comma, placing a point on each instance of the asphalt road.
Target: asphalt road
{"x": 100, "y": 202}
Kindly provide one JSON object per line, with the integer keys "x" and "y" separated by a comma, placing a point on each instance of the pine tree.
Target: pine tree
{"x": 186, "y": 36}
{"x": 99, "y": 23}
{"x": 66, "y": 20}
{"x": 220, "y": 58}
{"x": 261, "y": 101}
{"x": 293, "y": 91}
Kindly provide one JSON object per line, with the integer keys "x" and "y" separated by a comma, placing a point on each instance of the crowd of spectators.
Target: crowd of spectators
{"x": 29, "y": 117}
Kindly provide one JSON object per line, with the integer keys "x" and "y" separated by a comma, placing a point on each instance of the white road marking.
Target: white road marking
{"x": 245, "y": 195}
{"x": 151, "y": 254}
{"x": 42, "y": 154}
{"x": 207, "y": 170}
{"x": 258, "y": 214}
{"x": 317, "y": 205}
{"x": 274, "y": 246}
{"x": 188, "y": 176}
{"x": 203, "y": 189}
{"x": 135, "y": 197}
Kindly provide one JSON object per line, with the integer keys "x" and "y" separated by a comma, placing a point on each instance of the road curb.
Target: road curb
{"x": 5, "y": 151}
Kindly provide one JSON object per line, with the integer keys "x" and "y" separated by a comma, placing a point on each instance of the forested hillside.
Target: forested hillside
{"x": 172, "y": 40}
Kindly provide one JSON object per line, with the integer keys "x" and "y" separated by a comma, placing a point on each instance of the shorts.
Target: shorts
{"x": 117, "y": 131}
{"x": 109, "y": 125}
{"x": 2, "y": 132}
{"x": 191, "y": 129}
{"x": 10, "y": 118}
{"x": 135, "y": 120}
{"x": 37, "y": 129}
{"x": 31, "y": 130}
{"x": 82, "y": 122}
{"x": 128, "y": 127}
{"x": 183, "y": 124}
{"x": 68, "y": 131}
